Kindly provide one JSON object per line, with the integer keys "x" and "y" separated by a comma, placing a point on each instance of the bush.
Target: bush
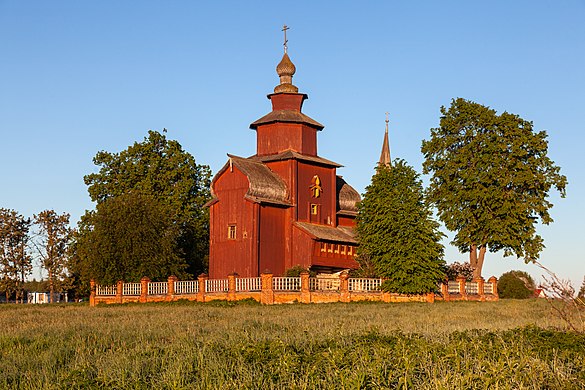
{"x": 515, "y": 285}
{"x": 456, "y": 269}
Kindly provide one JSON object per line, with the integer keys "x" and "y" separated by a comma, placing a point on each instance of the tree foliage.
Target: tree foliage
{"x": 491, "y": 178}
{"x": 129, "y": 236}
{"x": 459, "y": 269}
{"x": 397, "y": 234}
{"x": 15, "y": 260}
{"x": 581, "y": 294}
{"x": 156, "y": 172}
{"x": 515, "y": 285}
{"x": 51, "y": 243}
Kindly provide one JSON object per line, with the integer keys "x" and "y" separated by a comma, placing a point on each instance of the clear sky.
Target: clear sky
{"x": 77, "y": 77}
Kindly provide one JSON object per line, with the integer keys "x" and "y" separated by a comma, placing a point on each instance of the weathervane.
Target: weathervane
{"x": 284, "y": 28}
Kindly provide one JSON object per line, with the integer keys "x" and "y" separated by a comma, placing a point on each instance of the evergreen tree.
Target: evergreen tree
{"x": 397, "y": 234}
{"x": 491, "y": 178}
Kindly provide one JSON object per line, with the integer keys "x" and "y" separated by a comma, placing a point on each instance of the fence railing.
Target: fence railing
{"x": 106, "y": 290}
{"x": 132, "y": 289}
{"x": 248, "y": 284}
{"x": 324, "y": 284}
{"x": 364, "y": 284}
{"x": 187, "y": 287}
{"x": 286, "y": 283}
{"x": 270, "y": 289}
{"x": 216, "y": 285}
{"x": 158, "y": 288}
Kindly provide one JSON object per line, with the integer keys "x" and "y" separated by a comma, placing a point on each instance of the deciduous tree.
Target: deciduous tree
{"x": 161, "y": 169}
{"x": 51, "y": 241}
{"x": 491, "y": 178}
{"x": 15, "y": 260}
{"x": 397, "y": 234}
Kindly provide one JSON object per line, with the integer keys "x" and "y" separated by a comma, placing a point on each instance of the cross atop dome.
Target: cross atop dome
{"x": 285, "y": 70}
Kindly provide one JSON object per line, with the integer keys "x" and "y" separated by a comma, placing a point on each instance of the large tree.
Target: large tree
{"x": 15, "y": 261}
{"x": 160, "y": 169}
{"x": 491, "y": 178}
{"x": 397, "y": 234}
{"x": 129, "y": 236}
{"x": 51, "y": 242}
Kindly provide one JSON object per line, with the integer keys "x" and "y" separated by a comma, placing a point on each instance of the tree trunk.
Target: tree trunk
{"x": 51, "y": 288}
{"x": 479, "y": 262}
{"x": 473, "y": 256}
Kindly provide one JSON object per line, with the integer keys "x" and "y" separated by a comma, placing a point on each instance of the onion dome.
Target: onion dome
{"x": 285, "y": 70}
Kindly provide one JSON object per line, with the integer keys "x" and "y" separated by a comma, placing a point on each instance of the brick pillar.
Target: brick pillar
{"x": 92, "y": 292}
{"x": 119, "y": 291}
{"x": 480, "y": 284}
{"x": 267, "y": 294}
{"x": 494, "y": 282}
{"x": 201, "y": 280}
{"x": 344, "y": 287}
{"x": 430, "y": 298}
{"x": 445, "y": 291}
{"x": 232, "y": 287}
{"x": 305, "y": 288}
{"x": 171, "y": 287}
{"x": 144, "y": 289}
{"x": 461, "y": 280}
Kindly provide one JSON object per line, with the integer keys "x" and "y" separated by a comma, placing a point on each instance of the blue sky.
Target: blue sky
{"x": 79, "y": 77}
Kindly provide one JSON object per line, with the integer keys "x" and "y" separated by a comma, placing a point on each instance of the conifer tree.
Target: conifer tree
{"x": 397, "y": 234}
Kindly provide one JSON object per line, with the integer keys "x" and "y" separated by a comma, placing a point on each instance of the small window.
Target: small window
{"x": 323, "y": 247}
{"x": 231, "y": 232}
{"x": 314, "y": 209}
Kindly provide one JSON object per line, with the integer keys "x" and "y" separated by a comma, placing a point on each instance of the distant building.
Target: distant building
{"x": 43, "y": 297}
{"x": 284, "y": 206}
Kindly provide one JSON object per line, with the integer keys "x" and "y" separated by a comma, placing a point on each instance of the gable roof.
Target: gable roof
{"x": 264, "y": 185}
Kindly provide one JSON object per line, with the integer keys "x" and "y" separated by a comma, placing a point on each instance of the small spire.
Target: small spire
{"x": 285, "y": 70}
{"x": 385, "y": 155}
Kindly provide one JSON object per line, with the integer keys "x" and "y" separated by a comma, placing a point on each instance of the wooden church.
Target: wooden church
{"x": 284, "y": 206}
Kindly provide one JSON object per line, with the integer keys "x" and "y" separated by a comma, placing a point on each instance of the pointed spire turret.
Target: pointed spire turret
{"x": 385, "y": 155}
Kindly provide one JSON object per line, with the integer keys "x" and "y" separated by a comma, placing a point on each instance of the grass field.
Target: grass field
{"x": 467, "y": 345}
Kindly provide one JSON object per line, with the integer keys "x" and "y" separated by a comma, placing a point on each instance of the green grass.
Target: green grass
{"x": 467, "y": 345}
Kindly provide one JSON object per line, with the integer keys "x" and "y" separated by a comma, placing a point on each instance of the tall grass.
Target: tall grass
{"x": 506, "y": 344}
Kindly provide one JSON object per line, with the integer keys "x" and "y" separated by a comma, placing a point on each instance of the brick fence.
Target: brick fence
{"x": 269, "y": 290}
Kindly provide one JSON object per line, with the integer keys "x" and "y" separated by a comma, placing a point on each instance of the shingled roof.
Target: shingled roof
{"x": 291, "y": 154}
{"x": 328, "y": 233}
{"x": 286, "y": 116}
{"x": 347, "y": 198}
{"x": 265, "y": 186}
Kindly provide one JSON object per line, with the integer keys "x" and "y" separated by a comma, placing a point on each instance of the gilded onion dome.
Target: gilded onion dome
{"x": 285, "y": 70}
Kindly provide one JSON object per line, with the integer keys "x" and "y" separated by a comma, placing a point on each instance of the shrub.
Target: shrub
{"x": 455, "y": 269}
{"x": 516, "y": 285}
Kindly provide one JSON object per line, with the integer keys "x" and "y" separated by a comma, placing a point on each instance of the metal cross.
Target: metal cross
{"x": 284, "y": 28}
{"x": 387, "y": 120}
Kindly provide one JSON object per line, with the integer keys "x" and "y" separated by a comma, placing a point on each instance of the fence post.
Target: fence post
{"x": 201, "y": 279}
{"x": 231, "y": 296}
{"x": 119, "y": 291}
{"x": 461, "y": 280}
{"x": 171, "y": 287}
{"x": 92, "y": 292}
{"x": 480, "y": 285}
{"x": 305, "y": 288}
{"x": 144, "y": 289}
{"x": 267, "y": 294}
{"x": 445, "y": 291}
{"x": 430, "y": 298}
{"x": 344, "y": 287}
{"x": 494, "y": 282}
